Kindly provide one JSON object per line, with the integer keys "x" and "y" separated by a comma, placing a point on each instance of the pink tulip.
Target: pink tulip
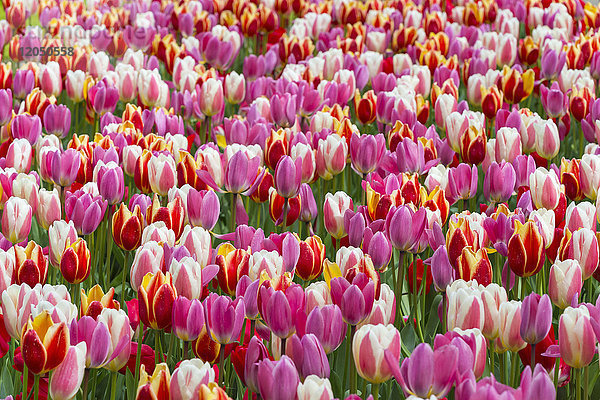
{"x": 465, "y": 307}
{"x": 508, "y": 144}
{"x": 162, "y": 174}
{"x": 334, "y": 208}
{"x": 66, "y": 379}
{"x": 50, "y": 79}
{"x": 121, "y": 334}
{"x": 188, "y": 318}
{"x": 331, "y": 156}
{"x": 366, "y": 152}
{"x": 314, "y": 387}
{"x": 492, "y": 296}
{"x": 589, "y": 175}
{"x": 148, "y": 259}
{"x": 279, "y": 309}
{"x": 583, "y": 247}
{"x": 545, "y": 189}
{"x": 576, "y": 338}
{"x": 187, "y": 277}
{"x": 235, "y": 87}
{"x": 225, "y": 317}
{"x": 510, "y": 327}
{"x": 211, "y": 97}
{"x": 582, "y": 215}
{"x": 547, "y": 141}
{"x": 188, "y": 377}
{"x": 19, "y": 155}
{"x": 355, "y": 298}
{"x": 564, "y": 282}
{"x": 368, "y": 348}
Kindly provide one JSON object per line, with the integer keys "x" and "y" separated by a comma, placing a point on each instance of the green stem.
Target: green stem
{"x": 351, "y": 361}
{"x": 138, "y": 356}
{"x": 502, "y": 360}
{"x": 36, "y": 387}
{"x": 513, "y": 368}
{"x": 95, "y": 381}
{"x": 113, "y": 389}
{"x": 86, "y": 381}
{"x": 284, "y": 216}
{"x": 171, "y": 342}
{"x": 556, "y": 370}
{"x": 398, "y": 289}
{"x": 532, "y": 357}
{"x": 346, "y": 364}
{"x": 25, "y": 378}
{"x": 578, "y": 383}
{"x": 586, "y": 379}
{"x": 375, "y": 392}
{"x": 221, "y": 364}
{"x": 233, "y": 211}
{"x": 124, "y": 277}
{"x": 156, "y": 347}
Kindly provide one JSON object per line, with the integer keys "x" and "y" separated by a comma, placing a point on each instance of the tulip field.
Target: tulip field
{"x": 299, "y": 199}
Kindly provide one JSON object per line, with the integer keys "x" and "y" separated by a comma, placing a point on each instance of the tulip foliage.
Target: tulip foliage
{"x": 281, "y": 200}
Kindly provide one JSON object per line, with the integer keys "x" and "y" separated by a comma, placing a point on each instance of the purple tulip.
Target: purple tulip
{"x": 288, "y": 177}
{"x": 57, "y": 120}
{"x": 379, "y": 248}
{"x": 500, "y": 230}
{"x": 308, "y": 355}
{"x": 426, "y": 371}
{"x": 410, "y": 157}
{"x": 187, "y": 318}
{"x": 103, "y": 97}
{"x": 551, "y": 64}
{"x": 25, "y": 126}
{"x": 284, "y": 108}
{"x": 487, "y": 388}
{"x": 96, "y": 336}
{"x": 499, "y": 182}
{"x": 85, "y": 211}
{"x": 139, "y": 38}
{"x": 524, "y": 166}
{"x": 111, "y": 182}
{"x": 6, "y": 101}
{"x": 63, "y": 167}
{"x": 462, "y": 182}
{"x": 536, "y": 318}
{"x": 203, "y": 208}
{"x": 254, "y": 66}
{"x": 255, "y": 353}
{"x": 277, "y": 380}
{"x": 366, "y": 152}
{"x": 248, "y": 289}
{"x": 595, "y": 65}
{"x": 141, "y": 200}
{"x": 554, "y": 101}
{"x": 355, "y": 299}
{"x": 327, "y": 324}
{"x": 308, "y": 205}
{"x": 404, "y": 226}
{"x": 354, "y": 225}
{"x": 279, "y": 309}
{"x": 441, "y": 269}
{"x": 510, "y": 119}
{"x": 23, "y": 83}
{"x": 224, "y": 317}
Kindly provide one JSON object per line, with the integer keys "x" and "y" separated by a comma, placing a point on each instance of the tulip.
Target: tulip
{"x": 508, "y": 144}
{"x": 334, "y": 208}
{"x": 492, "y": 296}
{"x": 58, "y": 234}
{"x": 86, "y": 211}
{"x": 45, "y": 344}
{"x": 462, "y": 182}
{"x": 510, "y": 325}
{"x": 121, "y": 334}
{"x": 465, "y": 307}
{"x": 6, "y": 101}
{"x": 326, "y": 323}
{"x": 536, "y": 318}
{"x": 173, "y": 215}
{"x": 19, "y": 155}
{"x": 156, "y": 296}
{"x": 127, "y": 227}
{"x": 554, "y": 101}
{"x": 589, "y": 175}
{"x": 331, "y": 156}
{"x": 537, "y": 384}
{"x": 582, "y": 215}
{"x": 314, "y": 387}
{"x": 233, "y": 263}
{"x": 279, "y": 309}
{"x": 26, "y": 187}
{"x": 16, "y": 220}
{"x": 155, "y": 386}
{"x": 188, "y": 378}
{"x": 74, "y": 82}
{"x": 203, "y": 208}
{"x": 211, "y": 98}
{"x": 111, "y": 182}
{"x": 366, "y": 152}
{"x": 188, "y": 318}
{"x": 404, "y": 227}
{"x": 288, "y": 177}
{"x": 506, "y": 53}
{"x": 582, "y": 246}
{"x": 499, "y": 182}
{"x": 57, "y": 120}
{"x": 25, "y": 126}
{"x": 68, "y": 376}
{"x": 234, "y": 87}
{"x": 384, "y": 309}
{"x": 526, "y": 250}
{"x": 474, "y": 265}
{"x": 225, "y": 317}
{"x": 162, "y": 174}
{"x": 308, "y": 355}
{"x": 416, "y": 375}
{"x": 30, "y": 264}
{"x": 75, "y": 262}
{"x": 96, "y": 300}
{"x": 441, "y": 269}
{"x": 50, "y": 79}
{"x": 368, "y": 346}
{"x": 355, "y": 298}
{"x": 312, "y": 255}
{"x": 576, "y": 339}
{"x": 547, "y": 141}
{"x": 277, "y": 380}
{"x": 102, "y": 97}
{"x": 95, "y": 336}
{"x": 64, "y": 167}
{"x": 516, "y": 86}
{"x": 564, "y": 282}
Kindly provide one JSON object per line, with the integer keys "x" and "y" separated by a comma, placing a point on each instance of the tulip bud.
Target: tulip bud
{"x": 16, "y": 220}
{"x": 127, "y": 227}
{"x": 576, "y": 338}
{"x": 510, "y": 327}
{"x": 564, "y": 282}
{"x": 19, "y": 155}
{"x": 30, "y": 264}
{"x": 156, "y": 297}
{"x": 526, "y": 250}
{"x": 75, "y": 262}
{"x": 536, "y": 318}
{"x": 465, "y": 307}
{"x": 188, "y": 318}
{"x": 189, "y": 377}
{"x": 68, "y": 376}
{"x": 59, "y": 233}
{"x": 334, "y": 208}
{"x": 368, "y": 346}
